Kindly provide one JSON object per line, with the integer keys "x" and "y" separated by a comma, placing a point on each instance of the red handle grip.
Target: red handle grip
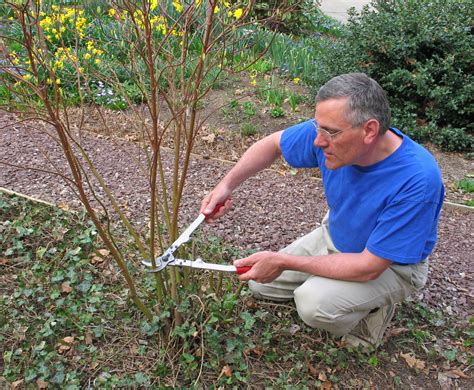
{"x": 242, "y": 270}
{"x": 216, "y": 209}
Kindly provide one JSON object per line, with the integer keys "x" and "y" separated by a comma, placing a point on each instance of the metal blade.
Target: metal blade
{"x": 186, "y": 235}
{"x": 197, "y": 264}
{"x": 200, "y": 264}
{"x": 167, "y": 257}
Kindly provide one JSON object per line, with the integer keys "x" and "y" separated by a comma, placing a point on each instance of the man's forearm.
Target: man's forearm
{"x": 357, "y": 267}
{"x": 258, "y": 157}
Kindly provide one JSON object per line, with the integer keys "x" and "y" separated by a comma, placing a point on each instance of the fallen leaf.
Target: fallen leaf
{"x": 227, "y": 371}
{"x": 63, "y": 206}
{"x": 88, "y": 339}
{"x": 17, "y": 383}
{"x": 210, "y": 138}
{"x": 397, "y": 331}
{"x": 41, "y": 384}
{"x": 257, "y": 351}
{"x": 444, "y": 381}
{"x": 96, "y": 259}
{"x": 294, "y": 328}
{"x": 412, "y": 361}
{"x": 104, "y": 252}
{"x": 65, "y": 344}
{"x": 322, "y": 376}
{"x": 3, "y": 261}
{"x": 312, "y": 370}
{"x": 326, "y": 385}
{"x": 21, "y": 333}
{"x": 456, "y": 374}
{"x": 66, "y": 288}
{"x": 252, "y": 304}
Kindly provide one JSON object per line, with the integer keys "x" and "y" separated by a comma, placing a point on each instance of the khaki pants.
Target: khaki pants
{"x": 336, "y": 305}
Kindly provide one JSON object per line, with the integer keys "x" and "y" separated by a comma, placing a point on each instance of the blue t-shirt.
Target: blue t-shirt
{"x": 391, "y": 208}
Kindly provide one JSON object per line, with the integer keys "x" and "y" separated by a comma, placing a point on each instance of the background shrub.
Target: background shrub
{"x": 421, "y": 53}
{"x": 295, "y": 22}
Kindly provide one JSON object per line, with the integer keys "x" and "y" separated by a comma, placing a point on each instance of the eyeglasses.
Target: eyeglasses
{"x": 325, "y": 133}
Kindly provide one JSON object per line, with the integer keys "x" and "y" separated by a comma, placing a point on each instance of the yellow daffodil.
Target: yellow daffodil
{"x": 177, "y": 5}
{"x": 238, "y": 13}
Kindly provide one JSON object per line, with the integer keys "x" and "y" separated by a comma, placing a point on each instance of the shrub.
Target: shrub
{"x": 422, "y": 56}
{"x": 299, "y": 20}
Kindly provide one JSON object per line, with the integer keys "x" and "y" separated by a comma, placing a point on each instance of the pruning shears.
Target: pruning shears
{"x": 167, "y": 258}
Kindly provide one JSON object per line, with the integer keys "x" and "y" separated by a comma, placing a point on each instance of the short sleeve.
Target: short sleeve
{"x": 405, "y": 231}
{"x": 297, "y": 146}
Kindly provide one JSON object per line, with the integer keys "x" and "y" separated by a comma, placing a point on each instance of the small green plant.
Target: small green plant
{"x": 294, "y": 100}
{"x": 466, "y": 185}
{"x": 231, "y": 110}
{"x": 249, "y": 109}
{"x": 373, "y": 361}
{"x": 273, "y": 94}
{"x": 276, "y": 112}
{"x": 262, "y": 65}
{"x": 248, "y": 129}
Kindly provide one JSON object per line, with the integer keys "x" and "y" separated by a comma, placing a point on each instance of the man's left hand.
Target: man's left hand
{"x": 266, "y": 267}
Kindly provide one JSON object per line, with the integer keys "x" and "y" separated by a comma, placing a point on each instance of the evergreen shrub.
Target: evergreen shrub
{"x": 422, "y": 55}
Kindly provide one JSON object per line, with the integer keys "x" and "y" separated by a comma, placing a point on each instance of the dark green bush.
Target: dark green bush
{"x": 422, "y": 55}
{"x": 297, "y": 20}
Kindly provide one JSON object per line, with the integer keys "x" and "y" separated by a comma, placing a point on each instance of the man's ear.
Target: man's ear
{"x": 372, "y": 130}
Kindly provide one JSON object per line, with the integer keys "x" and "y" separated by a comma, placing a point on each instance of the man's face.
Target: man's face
{"x": 342, "y": 144}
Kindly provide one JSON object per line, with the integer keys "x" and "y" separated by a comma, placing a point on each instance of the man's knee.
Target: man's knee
{"x": 267, "y": 291}
{"x": 320, "y": 310}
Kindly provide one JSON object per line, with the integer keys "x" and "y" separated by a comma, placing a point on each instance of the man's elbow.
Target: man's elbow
{"x": 375, "y": 266}
{"x": 373, "y": 275}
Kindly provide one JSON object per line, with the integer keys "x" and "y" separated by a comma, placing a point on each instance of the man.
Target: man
{"x": 384, "y": 193}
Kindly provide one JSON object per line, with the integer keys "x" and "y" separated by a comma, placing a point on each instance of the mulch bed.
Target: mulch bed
{"x": 270, "y": 210}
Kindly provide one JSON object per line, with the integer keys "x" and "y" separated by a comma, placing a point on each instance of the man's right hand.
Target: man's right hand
{"x": 215, "y": 197}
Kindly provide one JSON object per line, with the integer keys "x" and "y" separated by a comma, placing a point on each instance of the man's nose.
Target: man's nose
{"x": 320, "y": 141}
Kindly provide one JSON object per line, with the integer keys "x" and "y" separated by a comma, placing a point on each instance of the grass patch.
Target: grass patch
{"x": 65, "y": 321}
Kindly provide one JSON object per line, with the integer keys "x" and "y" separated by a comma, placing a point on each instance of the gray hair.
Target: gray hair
{"x": 367, "y": 99}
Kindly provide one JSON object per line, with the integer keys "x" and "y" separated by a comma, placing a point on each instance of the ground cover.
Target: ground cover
{"x": 65, "y": 322}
